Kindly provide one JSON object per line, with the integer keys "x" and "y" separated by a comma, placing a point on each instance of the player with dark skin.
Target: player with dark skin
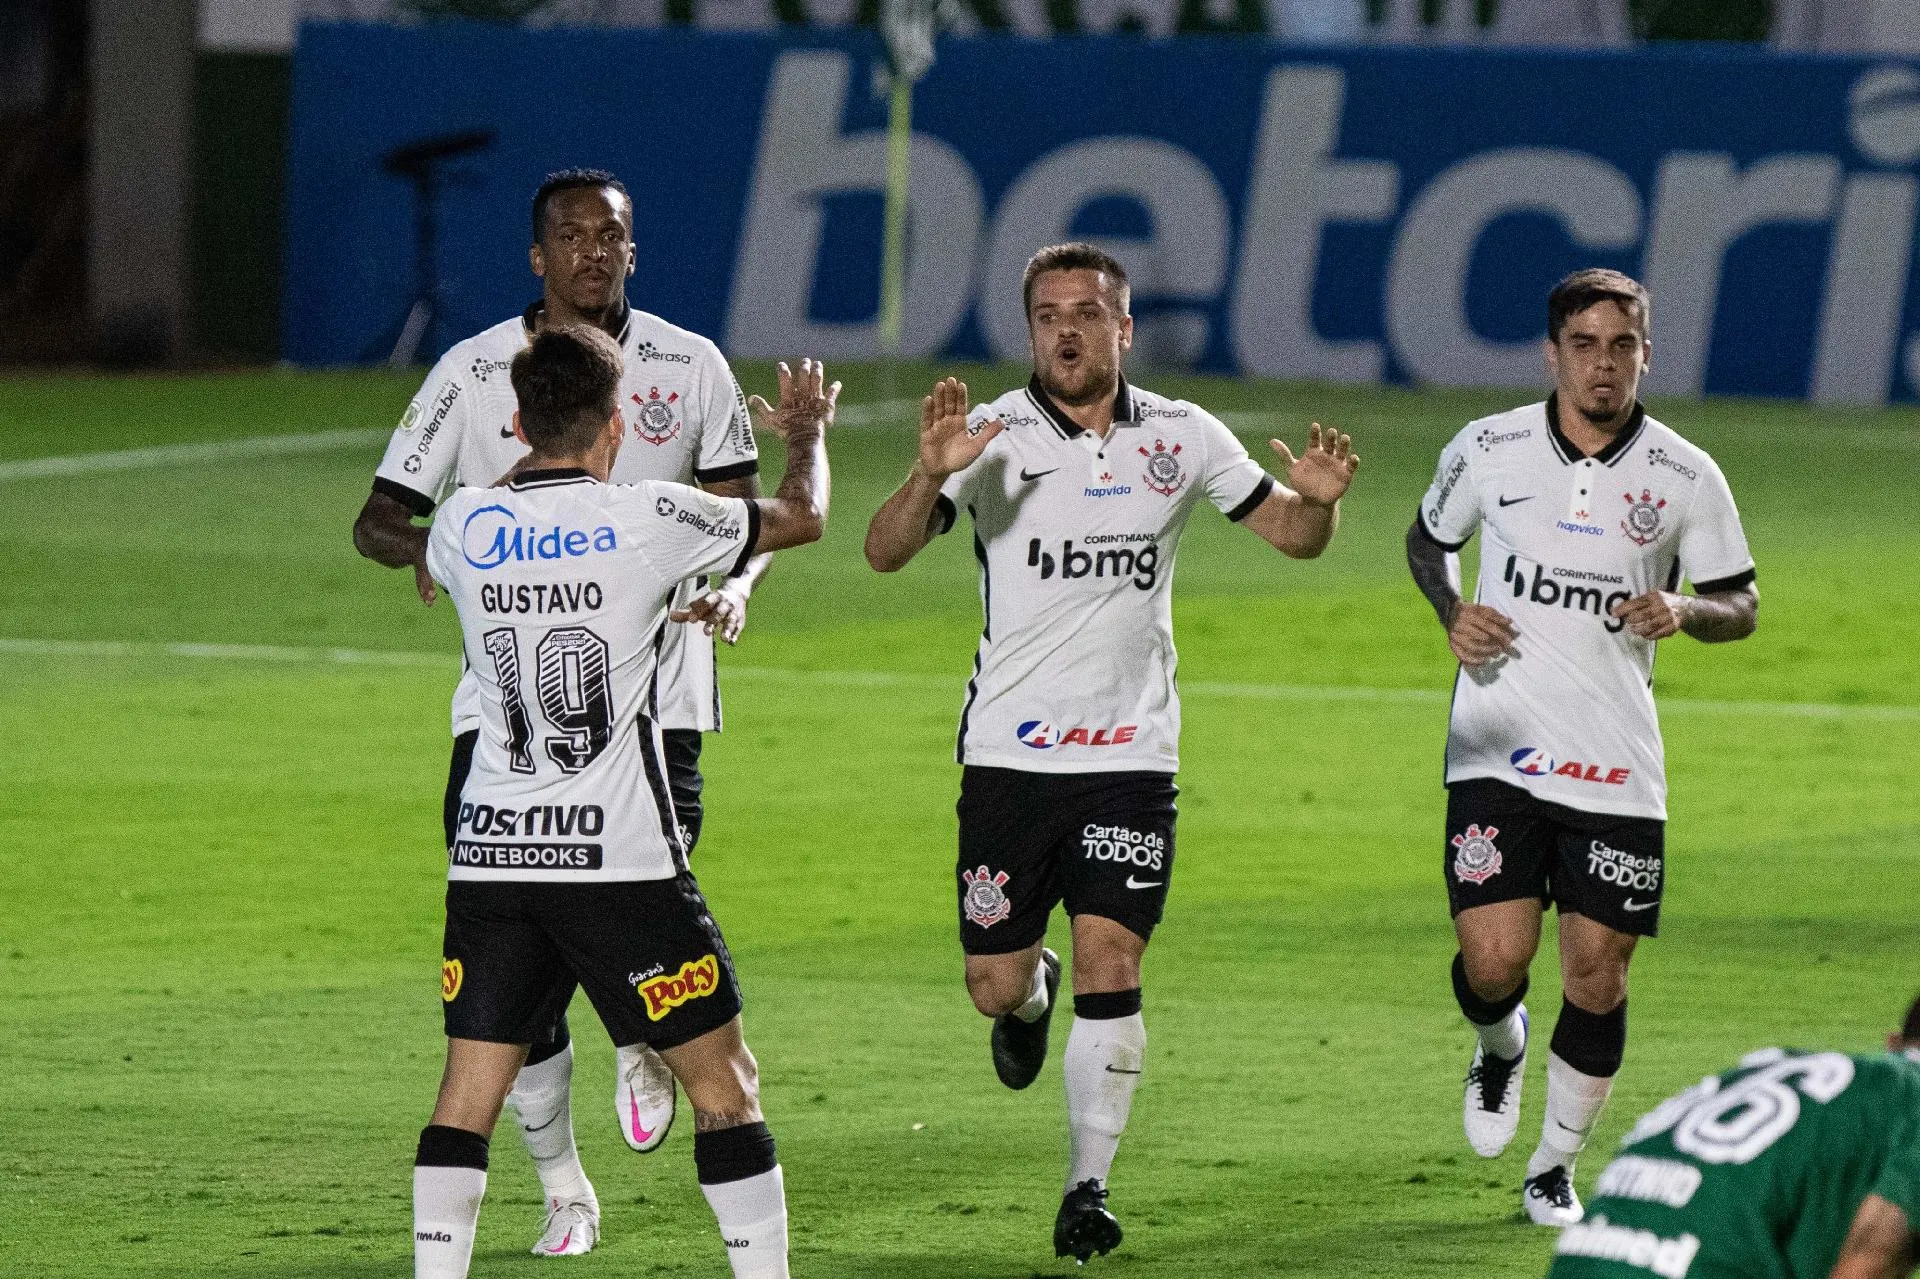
{"x": 716, "y": 1069}
{"x": 583, "y": 258}
{"x": 1596, "y": 363}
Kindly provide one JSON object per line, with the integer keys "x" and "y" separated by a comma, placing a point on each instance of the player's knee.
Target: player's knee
{"x": 1495, "y": 968}
{"x": 995, "y": 992}
{"x": 1596, "y": 983}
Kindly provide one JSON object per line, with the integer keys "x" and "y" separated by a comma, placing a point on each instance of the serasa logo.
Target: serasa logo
{"x": 1042, "y": 736}
{"x": 493, "y": 535}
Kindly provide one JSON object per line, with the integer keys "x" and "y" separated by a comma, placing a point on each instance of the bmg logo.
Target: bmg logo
{"x": 1141, "y": 564}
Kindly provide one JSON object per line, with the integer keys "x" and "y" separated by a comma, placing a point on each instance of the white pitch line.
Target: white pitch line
{"x": 897, "y": 679}
{"x": 857, "y": 416}
{"x": 186, "y": 454}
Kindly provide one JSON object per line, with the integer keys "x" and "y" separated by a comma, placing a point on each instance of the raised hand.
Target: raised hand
{"x": 1322, "y": 473}
{"x": 1478, "y": 634}
{"x": 948, "y": 442}
{"x": 720, "y": 610}
{"x": 806, "y": 402}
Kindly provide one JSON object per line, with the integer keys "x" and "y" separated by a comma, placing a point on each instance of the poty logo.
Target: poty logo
{"x": 1042, "y": 736}
{"x": 696, "y": 979}
{"x": 1531, "y": 761}
{"x": 492, "y": 535}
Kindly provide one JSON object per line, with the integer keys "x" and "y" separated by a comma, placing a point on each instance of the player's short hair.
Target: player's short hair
{"x": 567, "y": 381}
{"x": 1910, "y": 1028}
{"x": 571, "y": 180}
{"x": 1077, "y": 256}
{"x": 1597, "y": 284}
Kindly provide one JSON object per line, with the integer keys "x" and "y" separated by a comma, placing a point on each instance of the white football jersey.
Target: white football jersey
{"x": 1564, "y": 538}
{"x": 562, "y": 584}
{"x": 1076, "y": 538}
{"x": 686, "y": 422}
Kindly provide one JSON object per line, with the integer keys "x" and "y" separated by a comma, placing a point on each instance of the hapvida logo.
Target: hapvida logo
{"x": 492, "y": 535}
{"x": 1042, "y": 736}
{"x": 1142, "y": 565}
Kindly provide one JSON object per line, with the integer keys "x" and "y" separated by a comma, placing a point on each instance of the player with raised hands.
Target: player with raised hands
{"x": 686, "y": 423}
{"x": 568, "y": 864}
{"x": 1079, "y": 486}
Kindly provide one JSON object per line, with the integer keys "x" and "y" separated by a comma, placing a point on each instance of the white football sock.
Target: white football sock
{"x": 446, "y": 1210}
{"x": 1506, "y": 1037}
{"x": 1036, "y": 1004}
{"x": 1573, "y": 1104}
{"x": 1102, "y": 1067}
{"x": 752, "y": 1213}
{"x": 542, "y": 1098}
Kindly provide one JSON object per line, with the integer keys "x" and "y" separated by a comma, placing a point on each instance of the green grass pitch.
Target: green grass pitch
{"x": 219, "y": 954}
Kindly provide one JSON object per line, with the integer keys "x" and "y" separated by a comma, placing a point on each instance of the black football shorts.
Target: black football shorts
{"x": 647, "y": 952}
{"x": 1503, "y": 845}
{"x": 1100, "y": 842}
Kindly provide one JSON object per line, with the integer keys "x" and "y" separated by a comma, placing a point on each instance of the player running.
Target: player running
{"x": 688, "y": 424}
{"x": 567, "y": 864}
{"x": 1590, "y": 513}
{"x": 1792, "y": 1164}
{"x": 1079, "y": 486}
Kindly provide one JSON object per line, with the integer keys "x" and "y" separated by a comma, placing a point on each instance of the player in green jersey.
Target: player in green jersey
{"x": 1792, "y": 1165}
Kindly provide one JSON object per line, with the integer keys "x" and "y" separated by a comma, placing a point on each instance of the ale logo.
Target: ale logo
{"x": 452, "y": 973}
{"x": 696, "y": 979}
{"x": 1531, "y": 761}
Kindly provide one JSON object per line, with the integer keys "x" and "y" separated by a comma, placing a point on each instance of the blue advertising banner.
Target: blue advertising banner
{"x": 1350, "y": 215}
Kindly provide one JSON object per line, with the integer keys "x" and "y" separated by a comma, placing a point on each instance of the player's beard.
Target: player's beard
{"x": 1090, "y": 379}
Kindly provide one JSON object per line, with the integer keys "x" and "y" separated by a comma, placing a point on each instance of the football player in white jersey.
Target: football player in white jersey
{"x": 568, "y": 866}
{"x": 1079, "y": 486}
{"x": 687, "y": 423}
{"x": 1590, "y": 513}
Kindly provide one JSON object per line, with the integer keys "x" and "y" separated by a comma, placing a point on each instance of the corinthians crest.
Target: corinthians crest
{"x": 1642, "y": 523}
{"x": 1164, "y": 473}
{"x": 986, "y": 901}
{"x": 658, "y": 420}
{"x": 1476, "y": 860}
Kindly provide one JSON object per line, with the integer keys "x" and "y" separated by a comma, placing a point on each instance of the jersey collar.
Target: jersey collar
{"x": 530, "y": 320}
{"x": 1066, "y": 426}
{"x": 1620, "y": 443}
{"x": 549, "y": 475}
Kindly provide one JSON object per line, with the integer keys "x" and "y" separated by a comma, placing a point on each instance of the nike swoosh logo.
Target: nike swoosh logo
{"x": 641, "y": 1135}
{"x": 1034, "y": 475}
{"x": 1115, "y": 1070}
{"x": 1515, "y": 501}
{"x": 1631, "y": 904}
{"x": 564, "y": 1241}
{"x": 506, "y": 432}
{"x": 1134, "y": 883}
{"x": 543, "y": 1127}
